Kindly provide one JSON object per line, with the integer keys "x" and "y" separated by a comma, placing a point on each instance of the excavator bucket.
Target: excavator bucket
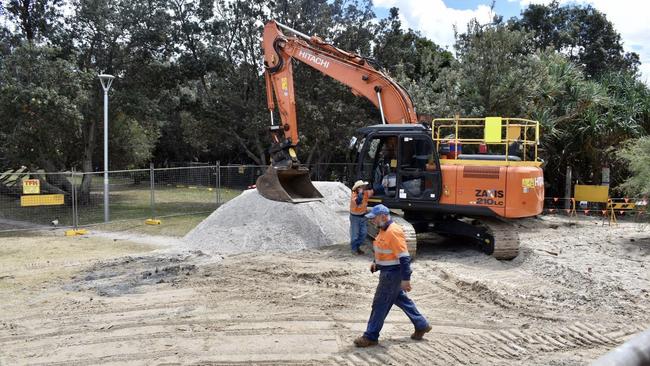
{"x": 287, "y": 185}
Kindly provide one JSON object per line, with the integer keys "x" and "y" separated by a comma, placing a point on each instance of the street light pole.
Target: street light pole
{"x": 106, "y": 81}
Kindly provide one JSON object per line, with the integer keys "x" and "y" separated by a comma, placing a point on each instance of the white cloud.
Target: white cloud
{"x": 435, "y": 19}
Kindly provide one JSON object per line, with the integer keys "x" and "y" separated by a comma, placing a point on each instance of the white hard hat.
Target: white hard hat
{"x": 358, "y": 184}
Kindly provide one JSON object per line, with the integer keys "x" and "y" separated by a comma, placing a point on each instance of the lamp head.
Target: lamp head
{"x": 106, "y": 81}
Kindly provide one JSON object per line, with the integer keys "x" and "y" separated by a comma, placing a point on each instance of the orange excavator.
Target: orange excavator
{"x": 462, "y": 177}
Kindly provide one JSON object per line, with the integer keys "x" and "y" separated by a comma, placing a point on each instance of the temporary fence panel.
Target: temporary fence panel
{"x": 34, "y": 198}
{"x": 181, "y": 191}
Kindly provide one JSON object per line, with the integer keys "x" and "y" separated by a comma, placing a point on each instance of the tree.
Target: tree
{"x": 408, "y": 52}
{"x": 636, "y": 153}
{"x": 37, "y": 19}
{"x": 40, "y": 95}
{"x": 582, "y": 33}
{"x": 492, "y": 75}
{"x": 561, "y": 100}
{"x": 413, "y": 60}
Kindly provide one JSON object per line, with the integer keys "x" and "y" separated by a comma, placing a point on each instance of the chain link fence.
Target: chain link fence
{"x": 35, "y": 198}
{"x": 77, "y": 199}
{"x": 74, "y": 199}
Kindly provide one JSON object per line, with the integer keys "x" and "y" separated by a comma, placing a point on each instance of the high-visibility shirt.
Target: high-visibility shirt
{"x": 390, "y": 245}
{"x": 362, "y": 208}
{"x": 391, "y": 252}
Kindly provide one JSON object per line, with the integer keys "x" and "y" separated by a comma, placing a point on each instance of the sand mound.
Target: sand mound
{"x": 249, "y": 222}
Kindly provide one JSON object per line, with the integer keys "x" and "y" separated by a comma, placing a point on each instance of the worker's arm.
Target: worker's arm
{"x": 401, "y": 251}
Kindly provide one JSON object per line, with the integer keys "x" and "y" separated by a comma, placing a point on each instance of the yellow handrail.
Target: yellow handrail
{"x": 458, "y": 125}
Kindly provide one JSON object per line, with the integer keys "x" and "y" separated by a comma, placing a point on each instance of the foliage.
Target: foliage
{"x": 637, "y": 154}
{"x": 582, "y": 33}
{"x": 493, "y": 63}
{"x": 40, "y": 96}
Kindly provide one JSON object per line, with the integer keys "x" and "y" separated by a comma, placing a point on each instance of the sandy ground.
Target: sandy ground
{"x": 575, "y": 291}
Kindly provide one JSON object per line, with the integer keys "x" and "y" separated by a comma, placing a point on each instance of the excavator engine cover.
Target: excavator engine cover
{"x": 287, "y": 185}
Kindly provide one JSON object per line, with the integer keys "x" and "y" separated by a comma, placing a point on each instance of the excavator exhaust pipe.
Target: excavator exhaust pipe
{"x": 287, "y": 185}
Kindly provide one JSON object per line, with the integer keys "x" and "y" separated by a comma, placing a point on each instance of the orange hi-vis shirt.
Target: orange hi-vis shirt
{"x": 362, "y": 208}
{"x": 390, "y": 245}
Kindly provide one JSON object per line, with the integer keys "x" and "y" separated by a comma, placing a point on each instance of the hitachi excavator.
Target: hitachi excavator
{"x": 461, "y": 177}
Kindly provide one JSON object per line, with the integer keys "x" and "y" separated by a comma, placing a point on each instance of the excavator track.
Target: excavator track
{"x": 409, "y": 233}
{"x": 504, "y": 239}
{"x": 499, "y": 238}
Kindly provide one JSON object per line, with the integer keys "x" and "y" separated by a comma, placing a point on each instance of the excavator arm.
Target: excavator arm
{"x": 349, "y": 69}
{"x": 286, "y": 180}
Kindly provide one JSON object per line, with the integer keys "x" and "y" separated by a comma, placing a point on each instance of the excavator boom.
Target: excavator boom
{"x": 286, "y": 179}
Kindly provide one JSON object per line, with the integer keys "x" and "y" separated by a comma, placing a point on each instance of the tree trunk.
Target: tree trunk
{"x": 261, "y": 151}
{"x": 324, "y": 166}
{"x": 13, "y": 191}
{"x": 310, "y": 157}
{"x": 87, "y": 163}
{"x": 55, "y": 182}
{"x": 248, "y": 152}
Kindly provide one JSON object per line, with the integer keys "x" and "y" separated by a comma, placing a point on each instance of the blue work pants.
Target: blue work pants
{"x": 358, "y": 230}
{"x": 389, "y": 292}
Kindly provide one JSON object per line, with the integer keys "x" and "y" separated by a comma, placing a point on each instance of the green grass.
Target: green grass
{"x": 127, "y": 202}
{"x": 170, "y": 226}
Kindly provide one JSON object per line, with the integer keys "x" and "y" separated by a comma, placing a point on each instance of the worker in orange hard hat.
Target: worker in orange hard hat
{"x": 358, "y": 210}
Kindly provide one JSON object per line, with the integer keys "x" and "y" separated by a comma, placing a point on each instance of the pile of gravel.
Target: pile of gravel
{"x": 250, "y": 222}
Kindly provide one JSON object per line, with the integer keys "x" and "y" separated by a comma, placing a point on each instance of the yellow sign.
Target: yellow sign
{"x": 528, "y": 182}
{"x": 621, "y": 206}
{"x": 42, "y": 200}
{"x": 591, "y": 193}
{"x": 31, "y": 186}
{"x": 492, "y": 131}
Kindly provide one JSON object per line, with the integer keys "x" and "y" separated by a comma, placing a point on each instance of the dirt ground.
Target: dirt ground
{"x": 576, "y": 291}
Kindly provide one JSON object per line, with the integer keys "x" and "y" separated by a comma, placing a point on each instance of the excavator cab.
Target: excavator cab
{"x": 400, "y": 163}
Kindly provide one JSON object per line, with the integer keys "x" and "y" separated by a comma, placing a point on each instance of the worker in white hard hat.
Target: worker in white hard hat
{"x": 358, "y": 210}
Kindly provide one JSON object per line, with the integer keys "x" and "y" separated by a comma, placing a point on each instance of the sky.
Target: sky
{"x": 436, "y": 19}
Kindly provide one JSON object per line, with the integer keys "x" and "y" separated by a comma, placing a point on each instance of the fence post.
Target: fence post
{"x": 218, "y": 196}
{"x": 567, "y": 188}
{"x": 75, "y": 218}
{"x": 152, "y": 183}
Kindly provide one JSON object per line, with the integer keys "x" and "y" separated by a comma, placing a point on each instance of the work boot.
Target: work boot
{"x": 359, "y": 252}
{"x": 363, "y": 342}
{"x": 418, "y": 334}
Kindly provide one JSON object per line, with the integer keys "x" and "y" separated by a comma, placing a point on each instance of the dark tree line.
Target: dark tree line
{"x": 189, "y": 85}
